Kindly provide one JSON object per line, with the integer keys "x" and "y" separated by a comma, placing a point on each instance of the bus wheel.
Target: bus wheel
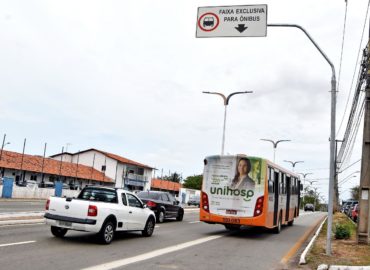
{"x": 290, "y": 223}
{"x": 232, "y": 227}
{"x": 277, "y": 229}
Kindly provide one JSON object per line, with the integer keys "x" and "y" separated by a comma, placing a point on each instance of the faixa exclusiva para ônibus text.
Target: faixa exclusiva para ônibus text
{"x": 241, "y": 18}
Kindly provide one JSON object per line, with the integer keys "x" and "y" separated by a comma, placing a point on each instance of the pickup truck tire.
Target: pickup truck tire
{"x": 180, "y": 215}
{"x": 160, "y": 216}
{"x": 58, "y": 232}
{"x": 149, "y": 227}
{"x": 106, "y": 233}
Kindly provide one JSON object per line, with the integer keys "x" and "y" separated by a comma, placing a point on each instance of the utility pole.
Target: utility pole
{"x": 336, "y": 191}
{"x": 364, "y": 224}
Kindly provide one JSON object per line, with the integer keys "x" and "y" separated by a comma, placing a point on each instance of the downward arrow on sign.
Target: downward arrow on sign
{"x": 241, "y": 28}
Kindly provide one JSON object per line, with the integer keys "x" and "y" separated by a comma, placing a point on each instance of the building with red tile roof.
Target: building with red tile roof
{"x": 125, "y": 172}
{"x": 23, "y": 167}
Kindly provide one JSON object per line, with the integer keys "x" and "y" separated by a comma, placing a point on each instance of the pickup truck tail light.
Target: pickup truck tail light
{"x": 47, "y": 204}
{"x": 151, "y": 204}
{"x": 92, "y": 211}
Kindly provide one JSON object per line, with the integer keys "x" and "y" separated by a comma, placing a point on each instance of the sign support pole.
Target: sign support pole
{"x": 332, "y": 134}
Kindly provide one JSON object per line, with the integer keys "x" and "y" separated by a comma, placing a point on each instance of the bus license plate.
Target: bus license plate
{"x": 231, "y": 212}
{"x": 231, "y": 220}
{"x": 65, "y": 223}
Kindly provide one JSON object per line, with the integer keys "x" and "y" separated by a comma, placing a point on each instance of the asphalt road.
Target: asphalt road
{"x": 33, "y": 247}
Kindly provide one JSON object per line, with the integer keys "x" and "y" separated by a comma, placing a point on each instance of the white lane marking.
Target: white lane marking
{"x": 149, "y": 255}
{"x": 18, "y": 243}
{"x": 157, "y": 226}
{"x": 195, "y": 221}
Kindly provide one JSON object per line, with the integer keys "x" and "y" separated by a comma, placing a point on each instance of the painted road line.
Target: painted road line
{"x": 149, "y": 255}
{"x": 18, "y": 243}
{"x": 21, "y": 221}
{"x": 195, "y": 221}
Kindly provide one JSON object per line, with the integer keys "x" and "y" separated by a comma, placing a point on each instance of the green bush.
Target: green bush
{"x": 342, "y": 231}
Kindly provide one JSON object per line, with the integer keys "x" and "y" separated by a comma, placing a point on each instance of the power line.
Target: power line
{"x": 341, "y": 52}
{"x": 355, "y": 71}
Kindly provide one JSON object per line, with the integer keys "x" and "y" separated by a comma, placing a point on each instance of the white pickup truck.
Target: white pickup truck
{"x": 101, "y": 210}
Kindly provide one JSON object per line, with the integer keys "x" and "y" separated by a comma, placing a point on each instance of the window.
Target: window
{"x": 283, "y": 182}
{"x": 124, "y": 200}
{"x": 140, "y": 171}
{"x": 271, "y": 186}
{"x": 97, "y": 194}
{"x": 133, "y": 201}
{"x": 34, "y": 177}
{"x": 165, "y": 197}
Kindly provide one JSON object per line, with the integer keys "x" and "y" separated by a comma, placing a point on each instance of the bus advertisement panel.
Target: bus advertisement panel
{"x": 233, "y": 184}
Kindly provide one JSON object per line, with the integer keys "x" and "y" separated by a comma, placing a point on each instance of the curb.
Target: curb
{"x": 302, "y": 259}
{"x": 342, "y": 267}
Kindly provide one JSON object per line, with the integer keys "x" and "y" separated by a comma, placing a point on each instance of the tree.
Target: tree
{"x": 355, "y": 193}
{"x": 193, "y": 182}
{"x": 175, "y": 177}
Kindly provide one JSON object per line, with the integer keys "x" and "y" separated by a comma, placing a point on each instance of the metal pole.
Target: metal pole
{"x": 24, "y": 146}
{"x": 226, "y": 102}
{"x": 42, "y": 166}
{"x": 2, "y": 146}
{"x": 223, "y": 133}
{"x": 60, "y": 167}
{"x": 332, "y": 134}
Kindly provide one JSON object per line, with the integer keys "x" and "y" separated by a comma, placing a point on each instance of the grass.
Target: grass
{"x": 344, "y": 252}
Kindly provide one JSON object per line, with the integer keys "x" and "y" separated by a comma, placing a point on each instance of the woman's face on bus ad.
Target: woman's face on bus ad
{"x": 242, "y": 167}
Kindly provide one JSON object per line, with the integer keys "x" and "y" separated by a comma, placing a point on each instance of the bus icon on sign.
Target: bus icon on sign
{"x": 208, "y": 22}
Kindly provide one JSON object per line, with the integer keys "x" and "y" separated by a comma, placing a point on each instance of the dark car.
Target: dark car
{"x": 195, "y": 200}
{"x": 309, "y": 207}
{"x": 163, "y": 204}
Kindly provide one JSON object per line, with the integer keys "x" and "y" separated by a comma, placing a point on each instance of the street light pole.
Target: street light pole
{"x": 332, "y": 132}
{"x": 293, "y": 163}
{"x": 274, "y": 144}
{"x": 2, "y": 146}
{"x": 226, "y": 102}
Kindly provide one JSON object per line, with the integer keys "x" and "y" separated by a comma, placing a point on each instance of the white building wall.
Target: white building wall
{"x": 114, "y": 169}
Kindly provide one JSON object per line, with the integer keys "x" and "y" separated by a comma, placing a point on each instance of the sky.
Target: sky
{"x": 127, "y": 77}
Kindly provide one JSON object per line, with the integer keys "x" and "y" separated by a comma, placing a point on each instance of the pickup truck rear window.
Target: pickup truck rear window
{"x": 99, "y": 195}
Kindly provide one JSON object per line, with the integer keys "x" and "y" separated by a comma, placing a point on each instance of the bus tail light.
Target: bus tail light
{"x": 259, "y": 207}
{"x": 47, "y": 204}
{"x": 92, "y": 211}
{"x": 205, "y": 204}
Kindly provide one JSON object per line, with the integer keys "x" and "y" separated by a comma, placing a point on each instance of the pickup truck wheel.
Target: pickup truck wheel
{"x": 106, "y": 233}
{"x": 149, "y": 227}
{"x": 180, "y": 215}
{"x": 58, "y": 232}
{"x": 160, "y": 216}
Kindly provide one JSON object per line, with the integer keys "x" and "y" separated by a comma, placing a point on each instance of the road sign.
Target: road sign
{"x": 232, "y": 21}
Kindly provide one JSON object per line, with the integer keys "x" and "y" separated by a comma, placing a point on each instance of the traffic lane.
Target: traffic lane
{"x": 79, "y": 250}
{"x": 21, "y": 206}
{"x": 250, "y": 248}
{"x": 82, "y": 250}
